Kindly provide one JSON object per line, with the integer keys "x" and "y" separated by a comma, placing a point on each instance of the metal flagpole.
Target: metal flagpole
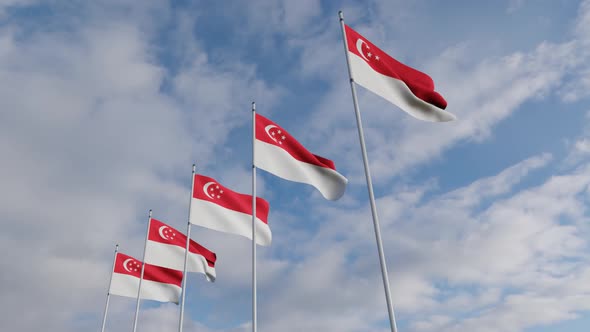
{"x": 142, "y": 269}
{"x": 369, "y": 184}
{"x": 106, "y": 306}
{"x": 188, "y": 239}
{"x": 254, "y": 318}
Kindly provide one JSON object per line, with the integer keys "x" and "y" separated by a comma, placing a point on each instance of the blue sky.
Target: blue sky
{"x": 105, "y": 105}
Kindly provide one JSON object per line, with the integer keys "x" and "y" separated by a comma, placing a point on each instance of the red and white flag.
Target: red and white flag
{"x": 216, "y": 207}
{"x": 281, "y": 154}
{"x": 159, "y": 283}
{"x": 166, "y": 247}
{"x": 406, "y": 87}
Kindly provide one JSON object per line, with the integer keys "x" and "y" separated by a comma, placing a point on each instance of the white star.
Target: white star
{"x": 273, "y": 133}
{"x": 218, "y": 196}
{"x": 216, "y": 187}
{"x": 369, "y": 54}
{"x": 280, "y": 142}
{"x": 376, "y": 57}
{"x": 221, "y": 191}
{"x": 279, "y": 131}
{"x": 283, "y": 137}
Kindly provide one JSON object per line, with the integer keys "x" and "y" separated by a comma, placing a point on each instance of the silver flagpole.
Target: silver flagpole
{"x": 369, "y": 184}
{"x": 254, "y": 318}
{"x": 188, "y": 239}
{"x": 141, "y": 275}
{"x": 106, "y": 306}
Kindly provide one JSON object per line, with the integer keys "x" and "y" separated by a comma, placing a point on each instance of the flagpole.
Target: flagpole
{"x": 106, "y": 306}
{"x": 142, "y": 270}
{"x": 254, "y": 318}
{"x": 188, "y": 239}
{"x": 369, "y": 184}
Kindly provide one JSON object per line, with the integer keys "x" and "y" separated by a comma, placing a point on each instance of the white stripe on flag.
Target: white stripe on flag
{"x": 216, "y": 217}
{"x": 279, "y": 162}
{"x": 126, "y": 285}
{"x": 172, "y": 257}
{"x": 395, "y": 91}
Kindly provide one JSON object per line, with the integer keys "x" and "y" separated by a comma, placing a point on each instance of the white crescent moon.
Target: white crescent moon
{"x": 161, "y": 231}
{"x": 205, "y": 187}
{"x": 359, "y": 47}
{"x": 125, "y": 264}
{"x": 267, "y": 129}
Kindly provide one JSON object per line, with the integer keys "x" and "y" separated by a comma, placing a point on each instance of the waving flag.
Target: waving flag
{"x": 216, "y": 207}
{"x": 406, "y": 87}
{"x": 159, "y": 283}
{"x": 281, "y": 154}
{"x": 166, "y": 247}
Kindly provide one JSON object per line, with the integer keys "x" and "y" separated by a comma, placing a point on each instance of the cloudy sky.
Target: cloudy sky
{"x": 105, "y": 105}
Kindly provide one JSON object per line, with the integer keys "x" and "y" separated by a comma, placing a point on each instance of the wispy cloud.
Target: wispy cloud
{"x": 105, "y": 106}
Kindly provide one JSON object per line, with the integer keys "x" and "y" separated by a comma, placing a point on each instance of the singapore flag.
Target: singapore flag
{"x": 281, "y": 154}
{"x": 406, "y": 87}
{"x": 166, "y": 247}
{"x": 159, "y": 283}
{"x": 216, "y": 207}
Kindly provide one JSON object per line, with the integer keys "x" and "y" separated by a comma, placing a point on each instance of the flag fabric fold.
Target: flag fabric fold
{"x": 159, "y": 283}
{"x": 409, "y": 89}
{"x": 216, "y": 207}
{"x": 166, "y": 247}
{"x": 279, "y": 153}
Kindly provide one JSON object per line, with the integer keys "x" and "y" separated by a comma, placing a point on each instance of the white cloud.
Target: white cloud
{"x": 90, "y": 142}
{"x": 578, "y": 86}
{"x": 448, "y": 256}
{"x": 8, "y": 4}
{"x": 514, "y": 5}
{"x": 92, "y": 137}
{"x": 579, "y": 148}
{"x": 481, "y": 91}
{"x": 583, "y": 145}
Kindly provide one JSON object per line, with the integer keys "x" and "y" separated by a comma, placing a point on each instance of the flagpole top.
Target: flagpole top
{"x": 253, "y": 106}
{"x": 194, "y": 168}
{"x": 150, "y": 213}
{"x": 340, "y": 15}
{"x": 116, "y": 247}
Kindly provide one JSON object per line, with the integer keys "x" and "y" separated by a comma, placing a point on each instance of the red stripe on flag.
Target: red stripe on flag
{"x": 162, "y": 274}
{"x": 421, "y": 85}
{"x": 208, "y": 189}
{"x": 162, "y": 233}
{"x": 125, "y": 264}
{"x": 271, "y": 133}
